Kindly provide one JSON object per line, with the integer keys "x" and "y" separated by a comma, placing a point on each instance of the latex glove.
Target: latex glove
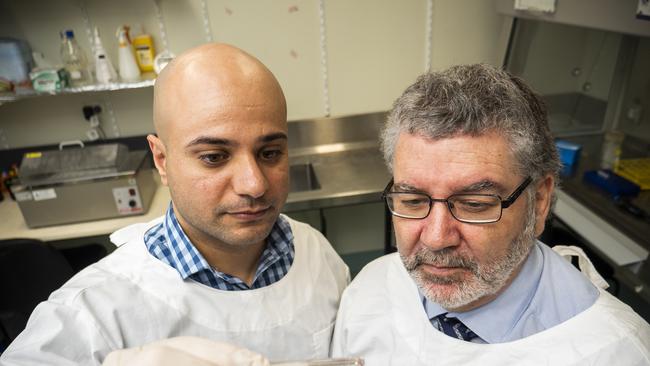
{"x": 191, "y": 351}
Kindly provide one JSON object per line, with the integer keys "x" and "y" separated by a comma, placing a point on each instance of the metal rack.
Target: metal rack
{"x": 10, "y": 97}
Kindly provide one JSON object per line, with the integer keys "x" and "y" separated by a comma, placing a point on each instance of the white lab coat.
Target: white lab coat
{"x": 381, "y": 318}
{"x": 130, "y": 299}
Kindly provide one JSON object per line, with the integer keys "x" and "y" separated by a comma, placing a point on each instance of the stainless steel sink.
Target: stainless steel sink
{"x": 302, "y": 178}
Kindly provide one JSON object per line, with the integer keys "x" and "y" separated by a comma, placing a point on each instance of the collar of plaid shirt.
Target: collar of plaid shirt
{"x": 167, "y": 242}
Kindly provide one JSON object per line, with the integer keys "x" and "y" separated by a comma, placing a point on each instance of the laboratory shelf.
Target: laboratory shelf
{"x": 10, "y": 97}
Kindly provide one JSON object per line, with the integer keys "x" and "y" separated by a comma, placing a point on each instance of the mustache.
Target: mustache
{"x": 446, "y": 257}
{"x": 247, "y": 203}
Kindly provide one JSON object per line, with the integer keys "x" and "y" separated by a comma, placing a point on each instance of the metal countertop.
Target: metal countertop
{"x": 346, "y": 177}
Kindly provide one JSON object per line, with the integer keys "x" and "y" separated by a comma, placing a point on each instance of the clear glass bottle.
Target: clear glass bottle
{"x": 611, "y": 149}
{"x": 74, "y": 60}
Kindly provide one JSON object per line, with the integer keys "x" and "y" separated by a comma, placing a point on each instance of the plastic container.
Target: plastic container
{"x": 569, "y": 155}
{"x": 50, "y": 80}
{"x": 144, "y": 52}
{"x": 74, "y": 60}
{"x": 161, "y": 60}
{"x": 15, "y": 61}
{"x": 129, "y": 70}
{"x": 635, "y": 170}
{"x": 104, "y": 70}
{"x": 612, "y": 183}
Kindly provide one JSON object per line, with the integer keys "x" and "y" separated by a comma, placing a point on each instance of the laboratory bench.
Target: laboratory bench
{"x": 324, "y": 180}
{"x": 343, "y": 175}
{"x": 333, "y": 162}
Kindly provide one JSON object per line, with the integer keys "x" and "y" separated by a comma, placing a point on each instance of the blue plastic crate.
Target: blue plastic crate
{"x": 610, "y": 182}
{"x": 569, "y": 156}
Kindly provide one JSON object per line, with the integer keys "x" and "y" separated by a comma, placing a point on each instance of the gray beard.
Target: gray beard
{"x": 486, "y": 278}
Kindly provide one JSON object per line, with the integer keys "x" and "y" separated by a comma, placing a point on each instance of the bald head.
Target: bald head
{"x": 209, "y": 77}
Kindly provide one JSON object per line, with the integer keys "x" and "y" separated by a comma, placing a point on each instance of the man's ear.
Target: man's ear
{"x": 159, "y": 156}
{"x": 543, "y": 199}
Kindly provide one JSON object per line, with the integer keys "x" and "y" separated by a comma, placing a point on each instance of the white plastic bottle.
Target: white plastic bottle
{"x": 104, "y": 70}
{"x": 129, "y": 70}
{"x": 74, "y": 59}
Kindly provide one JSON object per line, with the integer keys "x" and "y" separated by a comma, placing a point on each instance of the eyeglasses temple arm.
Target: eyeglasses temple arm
{"x": 510, "y": 200}
{"x": 387, "y": 189}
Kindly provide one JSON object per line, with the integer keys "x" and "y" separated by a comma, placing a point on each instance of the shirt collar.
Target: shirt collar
{"x": 186, "y": 258}
{"x": 188, "y": 261}
{"x": 279, "y": 244}
{"x": 494, "y": 321}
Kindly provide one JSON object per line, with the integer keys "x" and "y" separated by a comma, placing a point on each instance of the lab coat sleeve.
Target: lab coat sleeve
{"x": 348, "y": 310}
{"x": 337, "y": 348}
{"x": 58, "y": 334}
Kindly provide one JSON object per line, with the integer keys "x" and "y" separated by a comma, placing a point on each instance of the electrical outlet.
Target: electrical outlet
{"x": 101, "y": 117}
{"x": 91, "y": 113}
{"x": 92, "y": 134}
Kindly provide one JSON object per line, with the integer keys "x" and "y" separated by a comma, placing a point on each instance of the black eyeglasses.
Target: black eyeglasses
{"x": 474, "y": 208}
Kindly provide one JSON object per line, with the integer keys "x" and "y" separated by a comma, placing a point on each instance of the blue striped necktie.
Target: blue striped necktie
{"x": 453, "y": 327}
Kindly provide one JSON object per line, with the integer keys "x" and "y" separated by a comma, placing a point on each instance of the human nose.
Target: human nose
{"x": 249, "y": 179}
{"x": 439, "y": 228}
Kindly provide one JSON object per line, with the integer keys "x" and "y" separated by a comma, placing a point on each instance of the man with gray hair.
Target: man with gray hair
{"x": 474, "y": 170}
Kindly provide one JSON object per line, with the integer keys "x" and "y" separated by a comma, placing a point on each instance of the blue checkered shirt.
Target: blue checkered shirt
{"x": 167, "y": 242}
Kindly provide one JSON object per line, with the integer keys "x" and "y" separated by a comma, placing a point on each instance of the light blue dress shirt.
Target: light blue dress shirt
{"x": 547, "y": 292}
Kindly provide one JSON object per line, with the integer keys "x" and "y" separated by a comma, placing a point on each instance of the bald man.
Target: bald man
{"x": 222, "y": 263}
